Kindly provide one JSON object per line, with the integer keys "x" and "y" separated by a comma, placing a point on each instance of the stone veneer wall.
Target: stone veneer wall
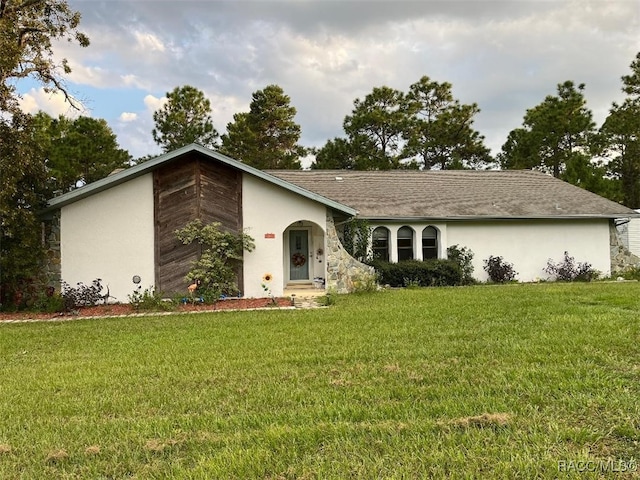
{"x": 51, "y": 239}
{"x": 345, "y": 274}
{"x": 621, "y": 257}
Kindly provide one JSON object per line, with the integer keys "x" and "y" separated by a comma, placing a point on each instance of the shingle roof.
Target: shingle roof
{"x": 212, "y": 155}
{"x": 451, "y": 194}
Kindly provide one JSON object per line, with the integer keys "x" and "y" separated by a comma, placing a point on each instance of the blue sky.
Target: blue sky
{"x": 506, "y": 56}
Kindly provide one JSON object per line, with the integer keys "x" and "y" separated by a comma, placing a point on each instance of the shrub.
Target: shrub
{"x": 428, "y": 273}
{"x": 215, "y": 271}
{"x": 49, "y": 302}
{"x": 499, "y": 270}
{"x": 83, "y": 295}
{"x": 463, "y": 257}
{"x": 149, "y": 299}
{"x": 568, "y": 271}
{"x": 631, "y": 273}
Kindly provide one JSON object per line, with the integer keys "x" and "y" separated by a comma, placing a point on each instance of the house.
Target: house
{"x": 629, "y": 233}
{"x": 124, "y": 225}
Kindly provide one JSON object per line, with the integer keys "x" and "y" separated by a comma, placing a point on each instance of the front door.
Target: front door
{"x": 298, "y": 255}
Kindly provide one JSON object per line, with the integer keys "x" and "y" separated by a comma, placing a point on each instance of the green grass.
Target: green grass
{"x": 476, "y": 382}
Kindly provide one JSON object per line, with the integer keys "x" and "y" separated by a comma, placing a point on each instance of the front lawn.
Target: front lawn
{"x": 476, "y": 382}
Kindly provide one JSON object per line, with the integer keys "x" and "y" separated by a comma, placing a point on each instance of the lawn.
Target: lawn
{"x": 516, "y": 381}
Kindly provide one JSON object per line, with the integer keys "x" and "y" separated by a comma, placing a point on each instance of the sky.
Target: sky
{"x": 505, "y": 56}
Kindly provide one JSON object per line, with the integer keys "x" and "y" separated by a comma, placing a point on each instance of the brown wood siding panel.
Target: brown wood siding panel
{"x": 220, "y": 195}
{"x": 176, "y": 204}
{"x": 221, "y": 200}
{"x": 187, "y": 189}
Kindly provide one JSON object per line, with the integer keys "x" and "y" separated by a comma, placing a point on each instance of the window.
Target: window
{"x": 429, "y": 243}
{"x": 405, "y": 244}
{"x": 381, "y": 244}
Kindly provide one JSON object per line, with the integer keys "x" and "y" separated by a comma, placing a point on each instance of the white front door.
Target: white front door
{"x": 298, "y": 255}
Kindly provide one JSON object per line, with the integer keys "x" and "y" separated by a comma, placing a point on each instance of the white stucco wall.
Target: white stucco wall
{"x": 269, "y": 209}
{"x": 529, "y": 244}
{"x": 110, "y": 235}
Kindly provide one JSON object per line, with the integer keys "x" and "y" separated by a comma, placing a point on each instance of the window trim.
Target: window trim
{"x": 374, "y": 249}
{"x": 435, "y": 238}
{"x": 402, "y": 250}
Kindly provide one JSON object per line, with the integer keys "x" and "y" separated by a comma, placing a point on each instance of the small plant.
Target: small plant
{"x": 48, "y": 301}
{"x": 463, "y": 256}
{"x": 328, "y": 299}
{"x": 569, "y": 271}
{"x": 266, "y": 286}
{"x": 499, "y": 270}
{"x": 365, "y": 283}
{"x": 411, "y": 282}
{"x": 83, "y": 295}
{"x": 631, "y": 273}
{"x": 148, "y": 299}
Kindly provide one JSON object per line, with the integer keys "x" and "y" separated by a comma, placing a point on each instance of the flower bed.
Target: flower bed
{"x": 118, "y": 309}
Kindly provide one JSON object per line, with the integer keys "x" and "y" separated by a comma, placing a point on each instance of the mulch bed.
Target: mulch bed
{"x": 120, "y": 309}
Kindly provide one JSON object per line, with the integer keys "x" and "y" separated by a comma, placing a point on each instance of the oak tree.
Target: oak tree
{"x": 28, "y": 31}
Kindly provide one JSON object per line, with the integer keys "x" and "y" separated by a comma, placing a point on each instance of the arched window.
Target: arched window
{"x": 381, "y": 244}
{"x": 405, "y": 243}
{"x": 429, "y": 243}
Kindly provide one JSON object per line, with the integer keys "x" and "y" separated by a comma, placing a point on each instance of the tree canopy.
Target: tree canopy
{"x": 77, "y": 151}
{"x": 21, "y": 196}
{"x": 425, "y": 128}
{"x": 28, "y": 30}
{"x": 620, "y": 138}
{"x": 376, "y": 127}
{"x": 555, "y": 137}
{"x": 184, "y": 119}
{"x": 439, "y": 132}
{"x": 267, "y": 135}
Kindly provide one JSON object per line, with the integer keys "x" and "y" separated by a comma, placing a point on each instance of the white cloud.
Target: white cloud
{"x": 148, "y": 42}
{"x": 54, "y": 104}
{"x": 154, "y": 103}
{"x": 128, "y": 117}
{"x": 505, "y": 56}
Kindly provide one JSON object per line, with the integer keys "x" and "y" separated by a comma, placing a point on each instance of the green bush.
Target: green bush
{"x": 428, "y": 273}
{"x": 83, "y": 295}
{"x": 499, "y": 270}
{"x": 631, "y": 273}
{"x": 569, "y": 271}
{"x": 463, "y": 257}
{"x": 215, "y": 270}
{"x": 149, "y": 299}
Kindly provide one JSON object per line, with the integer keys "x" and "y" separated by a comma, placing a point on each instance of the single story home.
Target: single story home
{"x": 123, "y": 226}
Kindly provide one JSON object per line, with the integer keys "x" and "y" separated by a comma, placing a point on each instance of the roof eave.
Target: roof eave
{"x": 494, "y": 217}
{"x": 148, "y": 166}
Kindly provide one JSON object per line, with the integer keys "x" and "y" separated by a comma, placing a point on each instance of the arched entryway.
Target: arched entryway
{"x": 304, "y": 254}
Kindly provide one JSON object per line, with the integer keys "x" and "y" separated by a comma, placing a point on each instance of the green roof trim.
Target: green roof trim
{"x": 150, "y": 165}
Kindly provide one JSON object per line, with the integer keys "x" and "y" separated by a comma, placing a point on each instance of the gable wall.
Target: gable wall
{"x": 110, "y": 236}
{"x": 528, "y": 244}
{"x": 185, "y": 190}
{"x": 270, "y": 209}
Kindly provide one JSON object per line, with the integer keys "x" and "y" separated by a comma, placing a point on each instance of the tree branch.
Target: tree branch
{"x": 8, "y": 10}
